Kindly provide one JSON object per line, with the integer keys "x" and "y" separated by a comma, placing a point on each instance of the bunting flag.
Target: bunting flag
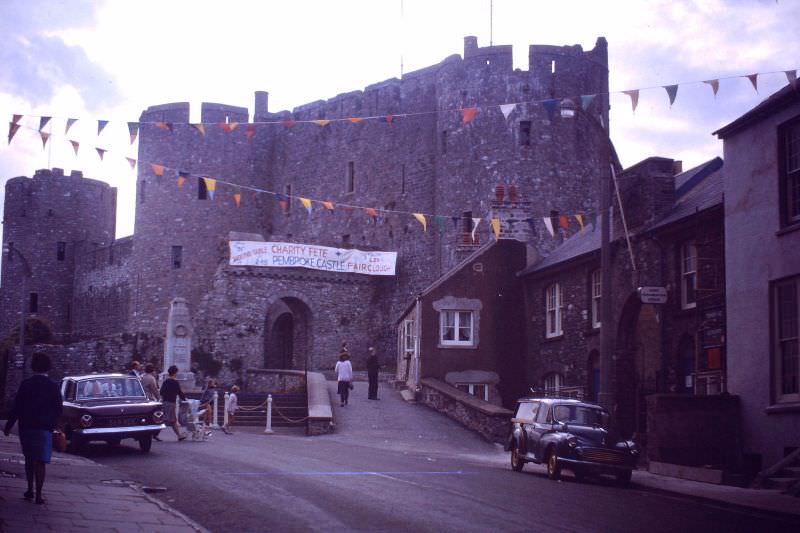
{"x": 672, "y": 92}
{"x": 579, "y": 218}
{"x": 211, "y": 186}
{"x": 70, "y": 122}
{"x": 249, "y": 132}
{"x": 475, "y": 222}
{"x": 131, "y": 162}
{"x": 355, "y": 120}
{"x": 182, "y": 177}
{"x": 164, "y": 126}
{"x": 550, "y": 106}
{"x": 496, "y": 228}
{"x": 371, "y": 212}
{"x": 634, "y": 94}
{"x": 101, "y": 152}
{"x": 791, "y": 75}
{"x": 306, "y": 203}
{"x": 467, "y": 114}
{"x": 228, "y": 127}
{"x": 283, "y": 200}
{"x": 753, "y": 80}
{"x": 328, "y": 205}
{"x": 133, "y": 129}
{"x": 43, "y": 122}
{"x": 349, "y": 210}
{"x": 506, "y": 109}
{"x": 549, "y": 225}
{"x": 421, "y": 218}
{"x": 389, "y": 119}
{"x": 12, "y": 130}
{"x": 555, "y": 219}
{"x": 201, "y": 128}
{"x": 75, "y": 146}
{"x": 441, "y": 221}
{"x": 563, "y": 221}
{"x": 288, "y": 123}
{"x": 101, "y": 124}
{"x": 158, "y": 170}
{"x": 321, "y": 122}
{"x": 16, "y": 118}
{"x": 714, "y": 86}
{"x": 237, "y": 198}
{"x": 44, "y": 136}
{"x": 586, "y": 101}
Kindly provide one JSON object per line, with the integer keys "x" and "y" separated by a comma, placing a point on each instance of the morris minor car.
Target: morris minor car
{"x": 108, "y": 407}
{"x": 568, "y": 434}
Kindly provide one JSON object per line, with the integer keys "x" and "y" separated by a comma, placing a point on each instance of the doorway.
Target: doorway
{"x": 287, "y": 344}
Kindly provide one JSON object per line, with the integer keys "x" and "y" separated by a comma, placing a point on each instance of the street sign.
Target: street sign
{"x": 653, "y": 295}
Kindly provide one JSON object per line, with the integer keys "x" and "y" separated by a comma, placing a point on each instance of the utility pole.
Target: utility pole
{"x": 606, "y": 397}
{"x": 9, "y": 249}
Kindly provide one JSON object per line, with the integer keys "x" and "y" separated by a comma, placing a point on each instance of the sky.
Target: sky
{"x": 109, "y": 60}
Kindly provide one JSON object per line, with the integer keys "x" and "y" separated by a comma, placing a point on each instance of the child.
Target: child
{"x": 233, "y": 405}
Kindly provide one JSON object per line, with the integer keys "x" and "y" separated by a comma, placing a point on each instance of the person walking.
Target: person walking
{"x": 372, "y": 373}
{"x": 231, "y": 406}
{"x": 344, "y": 376}
{"x": 37, "y": 407}
{"x": 206, "y": 401}
{"x": 150, "y": 384}
{"x": 170, "y": 392}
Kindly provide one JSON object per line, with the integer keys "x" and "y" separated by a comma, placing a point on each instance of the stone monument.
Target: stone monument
{"x": 178, "y": 345}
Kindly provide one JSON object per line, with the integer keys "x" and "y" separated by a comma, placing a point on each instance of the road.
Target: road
{"x": 393, "y": 466}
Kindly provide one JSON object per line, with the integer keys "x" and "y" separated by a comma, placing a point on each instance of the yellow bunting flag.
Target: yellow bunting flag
{"x": 321, "y": 122}
{"x": 200, "y": 128}
{"x": 75, "y": 146}
{"x": 158, "y": 170}
{"x": 211, "y": 186}
{"x": 496, "y": 227}
{"x": 306, "y": 203}
{"x": 327, "y": 205}
{"x": 422, "y": 220}
{"x": 237, "y": 197}
{"x": 467, "y": 114}
{"x": 579, "y": 218}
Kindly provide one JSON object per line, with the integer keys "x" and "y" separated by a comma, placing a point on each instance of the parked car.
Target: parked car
{"x": 567, "y": 433}
{"x": 108, "y": 407}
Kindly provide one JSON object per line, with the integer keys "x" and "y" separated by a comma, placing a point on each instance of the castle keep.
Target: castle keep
{"x": 106, "y": 300}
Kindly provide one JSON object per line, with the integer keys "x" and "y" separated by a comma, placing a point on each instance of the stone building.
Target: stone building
{"x": 413, "y": 153}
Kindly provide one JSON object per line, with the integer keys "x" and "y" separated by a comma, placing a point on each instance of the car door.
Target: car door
{"x": 541, "y": 426}
{"x": 526, "y": 416}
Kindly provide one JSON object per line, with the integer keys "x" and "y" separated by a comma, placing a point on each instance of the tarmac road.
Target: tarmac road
{"x": 393, "y": 466}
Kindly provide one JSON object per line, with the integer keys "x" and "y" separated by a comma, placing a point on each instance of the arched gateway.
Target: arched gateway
{"x": 287, "y": 334}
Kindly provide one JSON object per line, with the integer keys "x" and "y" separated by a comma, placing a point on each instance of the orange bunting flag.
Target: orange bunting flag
{"x": 131, "y": 162}
{"x": 158, "y": 170}
{"x": 579, "y": 218}
{"x": 228, "y": 127}
{"x": 672, "y": 92}
{"x": 12, "y": 130}
{"x": 211, "y": 186}
{"x": 563, "y": 221}
{"x": 754, "y": 80}
{"x": 306, "y": 203}
{"x": 237, "y": 198}
{"x": 714, "y": 86}
{"x": 70, "y": 122}
{"x": 327, "y": 205}
{"x": 250, "y": 132}
{"x": 422, "y": 220}
{"x": 164, "y": 126}
{"x": 634, "y": 94}
{"x": 371, "y": 212}
{"x": 284, "y": 205}
{"x": 321, "y": 122}
{"x": 45, "y": 136}
{"x": 200, "y": 128}
{"x": 468, "y": 114}
{"x": 133, "y": 129}
{"x": 75, "y": 146}
{"x": 355, "y": 120}
{"x": 496, "y": 228}
{"x": 182, "y": 178}
{"x": 101, "y": 152}
{"x": 101, "y": 124}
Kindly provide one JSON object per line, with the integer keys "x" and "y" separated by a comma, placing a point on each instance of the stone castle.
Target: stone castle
{"x": 105, "y": 301}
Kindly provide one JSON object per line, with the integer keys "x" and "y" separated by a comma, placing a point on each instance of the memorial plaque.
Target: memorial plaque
{"x": 178, "y": 345}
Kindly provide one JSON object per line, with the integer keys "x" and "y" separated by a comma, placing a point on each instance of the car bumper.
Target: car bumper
{"x": 594, "y": 466}
{"x": 130, "y": 431}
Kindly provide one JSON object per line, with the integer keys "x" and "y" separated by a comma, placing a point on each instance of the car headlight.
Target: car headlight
{"x": 158, "y": 416}
{"x": 86, "y": 421}
{"x": 572, "y": 442}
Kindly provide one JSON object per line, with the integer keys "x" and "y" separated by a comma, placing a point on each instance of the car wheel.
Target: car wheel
{"x": 145, "y": 443}
{"x": 624, "y": 478}
{"x": 516, "y": 460}
{"x": 553, "y": 466}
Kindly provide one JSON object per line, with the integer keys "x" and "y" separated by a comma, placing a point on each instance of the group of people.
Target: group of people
{"x": 344, "y": 374}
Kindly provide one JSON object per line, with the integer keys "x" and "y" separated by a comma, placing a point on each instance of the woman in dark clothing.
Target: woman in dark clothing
{"x": 37, "y": 407}
{"x": 170, "y": 391}
{"x": 372, "y": 373}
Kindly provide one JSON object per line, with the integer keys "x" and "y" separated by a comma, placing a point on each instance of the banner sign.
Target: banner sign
{"x": 285, "y": 254}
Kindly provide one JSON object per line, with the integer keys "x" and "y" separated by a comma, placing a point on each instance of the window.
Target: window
{"x": 688, "y": 275}
{"x": 553, "y": 382}
{"x": 527, "y": 411}
{"x": 787, "y": 340}
{"x": 555, "y": 306}
{"x": 455, "y": 328}
{"x": 61, "y": 250}
{"x": 33, "y": 302}
{"x": 597, "y": 291}
{"x": 202, "y": 191}
{"x": 525, "y": 132}
{"x": 350, "y": 184}
{"x": 479, "y": 390}
{"x": 177, "y": 256}
{"x": 790, "y": 173}
{"x": 409, "y": 339}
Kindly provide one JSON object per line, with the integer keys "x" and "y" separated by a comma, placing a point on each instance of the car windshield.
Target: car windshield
{"x": 580, "y": 415}
{"x": 115, "y": 387}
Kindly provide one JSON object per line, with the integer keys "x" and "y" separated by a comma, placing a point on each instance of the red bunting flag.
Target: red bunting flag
{"x": 15, "y": 119}
{"x": 101, "y": 124}
{"x": 389, "y": 119}
{"x": 284, "y": 205}
{"x": 371, "y": 212}
{"x": 754, "y": 80}
{"x": 12, "y": 130}
{"x": 227, "y": 127}
{"x": 563, "y": 221}
{"x": 467, "y": 114}
{"x": 237, "y": 198}
{"x": 133, "y": 129}
{"x": 75, "y": 146}
{"x": 43, "y": 122}
{"x": 672, "y": 92}
{"x": 250, "y": 132}
{"x": 200, "y": 128}
{"x": 158, "y": 170}
{"x": 131, "y": 162}
{"x": 714, "y": 86}
{"x": 288, "y": 123}
{"x": 101, "y": 152}
{"x": 44, "y": 136}
{"x": 70, "y": 122}
{"x": 164, "y": 126}
{"x": 634, "y": 94}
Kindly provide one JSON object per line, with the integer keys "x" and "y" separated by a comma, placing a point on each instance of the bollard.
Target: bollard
{"x": 215, "y": 419}
{"x": 225, "y": 414}
{"x": 269, "y": 414}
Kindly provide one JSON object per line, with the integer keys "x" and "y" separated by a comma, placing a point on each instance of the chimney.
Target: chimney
{"x": 677, "y": 167}
{"x": 261, "y": 106}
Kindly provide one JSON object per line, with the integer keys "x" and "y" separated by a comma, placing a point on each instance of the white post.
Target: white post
{"x": 269, "y": 414}
{"x": 225, "y": 414}
{"x": 214, "y": 423}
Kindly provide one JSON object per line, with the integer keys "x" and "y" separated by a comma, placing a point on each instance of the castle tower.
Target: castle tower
{"x": 52, "y": 220}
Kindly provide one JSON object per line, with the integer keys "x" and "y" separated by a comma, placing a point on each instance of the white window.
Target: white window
{"x": 455, "y": 328}
{"x": 597, "y": 291}
{"x": 408, "y": 338}
{"x": 787, "y": 340}
{"x": 479, "y": 390}
{"x": 555, "y": 307}
{"x": 553, "y": 382}
{"x": 688, "y": 275}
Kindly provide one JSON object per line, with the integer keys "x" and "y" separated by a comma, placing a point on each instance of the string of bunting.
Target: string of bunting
{"x": 552, "y": 222}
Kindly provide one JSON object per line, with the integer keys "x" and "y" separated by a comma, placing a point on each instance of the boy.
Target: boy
{"x": 231, "y": 407}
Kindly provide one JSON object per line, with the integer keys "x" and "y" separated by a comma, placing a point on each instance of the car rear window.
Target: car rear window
{"x": 110, "y": 388}
{"x": 527, "y": 411}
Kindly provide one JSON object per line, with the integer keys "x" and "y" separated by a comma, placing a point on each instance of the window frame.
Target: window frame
{"x": 177, "y": 256}
{"x": 470, "y": 389}
{"x": 557, "y": 382}
{"x": 456, "y": 327}
{"x": 350, "y": 178}
{"x": 780, "y": 339}
{"x": 688, "y": 276}
{"x": 596, "y": 293}
{"x": 61, "y": 250}
{"x": 554, "y": 310}
{"x": 789, "y": 172}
